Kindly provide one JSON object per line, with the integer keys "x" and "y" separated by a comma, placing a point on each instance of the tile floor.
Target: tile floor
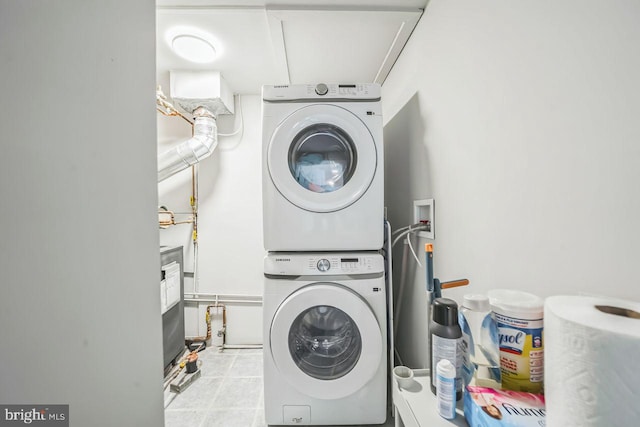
{"x": 228, "y": 394}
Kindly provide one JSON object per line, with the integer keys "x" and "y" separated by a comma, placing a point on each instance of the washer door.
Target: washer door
{"x": 322, "y": 158}
{"x": 326, "y": 341}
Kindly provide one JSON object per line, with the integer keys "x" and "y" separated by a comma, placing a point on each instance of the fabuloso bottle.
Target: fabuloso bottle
{"x": 445, "y": 340}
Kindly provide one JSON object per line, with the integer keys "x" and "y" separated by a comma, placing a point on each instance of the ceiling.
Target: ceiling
{"x": 291, "y": 41}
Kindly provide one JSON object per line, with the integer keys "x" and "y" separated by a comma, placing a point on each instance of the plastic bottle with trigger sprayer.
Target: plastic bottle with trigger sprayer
{"x": 481, "y": 362}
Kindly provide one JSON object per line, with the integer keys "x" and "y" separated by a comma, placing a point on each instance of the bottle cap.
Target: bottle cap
{"x": 477, "y": 302}
{"x": 445, "y": 311}
{"x": 446, "y": 368}
{"x": 518, "y": 304}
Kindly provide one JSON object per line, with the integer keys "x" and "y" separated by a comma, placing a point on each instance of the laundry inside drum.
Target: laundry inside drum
{"x": 322, "y": 158}
{"x": 325, "y": 342}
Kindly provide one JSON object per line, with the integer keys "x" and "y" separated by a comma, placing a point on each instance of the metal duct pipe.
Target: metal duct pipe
{"x": 193, "y": 150}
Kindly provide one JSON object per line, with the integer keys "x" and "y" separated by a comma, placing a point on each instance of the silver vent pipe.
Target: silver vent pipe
{"x": 198, "y": 147}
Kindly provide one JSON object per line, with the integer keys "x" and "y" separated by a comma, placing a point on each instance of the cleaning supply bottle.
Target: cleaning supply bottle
{"x": 445, "y": 340}
{"x": 519, "y": 316}
{"x": 481, "y": 358}
{"x": 446, "y": 389}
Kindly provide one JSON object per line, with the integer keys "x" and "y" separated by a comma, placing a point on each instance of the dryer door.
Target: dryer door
{"x": 326, "y": 341}
{"x": 322, "y": 158}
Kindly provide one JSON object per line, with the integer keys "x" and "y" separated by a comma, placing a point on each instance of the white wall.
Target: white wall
{"x": 521, "y": 120}
{"x": 79, "y": 257}
{"x": 229, "y": 219}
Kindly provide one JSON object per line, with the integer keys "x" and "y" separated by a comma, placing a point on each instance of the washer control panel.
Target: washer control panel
{"x": 341, "y": 264}
{"x": 297, "y": 264}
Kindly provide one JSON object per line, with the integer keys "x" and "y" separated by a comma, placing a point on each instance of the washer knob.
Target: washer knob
{"x": 322, "y": 89}
{"x": 323, "y": 265}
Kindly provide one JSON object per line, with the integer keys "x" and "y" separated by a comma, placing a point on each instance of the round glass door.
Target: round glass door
{"x": 325, "y": 342}
{"x": 322, "y": 158}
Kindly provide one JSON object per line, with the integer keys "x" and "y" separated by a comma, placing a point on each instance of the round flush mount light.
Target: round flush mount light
{"x": 193, "y": 48}
{"x": 193, "y": 45}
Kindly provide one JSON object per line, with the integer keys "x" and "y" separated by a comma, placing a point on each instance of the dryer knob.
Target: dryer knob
{"x": 322, "y": 89}
{"x": 323, "y": 265}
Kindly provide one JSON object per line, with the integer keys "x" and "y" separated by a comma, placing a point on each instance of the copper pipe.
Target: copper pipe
{"x": 166, "y": 223}
{"x": 174, "y": 114}
{"x": 224, "y": 320}
{"x": 194, "y": 202}
{"x": 207, "y": 338}
{"x": 188, "y": 221}
{"x": 194, "y": 213}
{"x": 166, "y": 108}
{"x": 171, "y": 220}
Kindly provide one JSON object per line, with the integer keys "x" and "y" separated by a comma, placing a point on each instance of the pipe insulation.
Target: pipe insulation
{"x": 198, "y": 147}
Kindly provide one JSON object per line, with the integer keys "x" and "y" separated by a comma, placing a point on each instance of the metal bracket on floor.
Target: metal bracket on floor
{"x": 184, "y": 380}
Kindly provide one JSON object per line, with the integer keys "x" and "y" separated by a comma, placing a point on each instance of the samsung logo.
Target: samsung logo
{"x": 283, "y": 259}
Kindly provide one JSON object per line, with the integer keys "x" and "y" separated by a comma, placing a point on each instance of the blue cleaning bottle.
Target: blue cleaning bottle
{"x": 481, "y": 359}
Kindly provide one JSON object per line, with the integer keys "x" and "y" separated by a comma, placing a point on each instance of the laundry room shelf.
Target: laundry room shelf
{"x": 415, "y": 405}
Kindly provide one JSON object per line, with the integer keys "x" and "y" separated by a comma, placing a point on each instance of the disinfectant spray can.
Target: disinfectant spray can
{"x": 445, "y": 340}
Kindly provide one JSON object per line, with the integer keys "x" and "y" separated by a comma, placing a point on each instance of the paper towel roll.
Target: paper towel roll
{"x": 592, "y": 362}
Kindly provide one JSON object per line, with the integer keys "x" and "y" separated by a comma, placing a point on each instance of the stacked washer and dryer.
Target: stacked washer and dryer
{"x": 325, "y": 306}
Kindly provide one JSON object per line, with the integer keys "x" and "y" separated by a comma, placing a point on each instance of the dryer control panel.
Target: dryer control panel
{"x": 311, "y": 264}
{"x": 322, "y": 91}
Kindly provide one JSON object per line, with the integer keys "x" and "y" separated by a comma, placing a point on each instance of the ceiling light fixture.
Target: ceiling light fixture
{"x": 192, "y": 44}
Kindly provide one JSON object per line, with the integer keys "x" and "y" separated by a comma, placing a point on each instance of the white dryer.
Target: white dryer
{"x": 325, "y": 339}
{"x": 322, "y": 167}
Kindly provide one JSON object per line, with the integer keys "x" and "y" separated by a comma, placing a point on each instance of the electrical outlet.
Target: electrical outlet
{"x": 424, "y": 210}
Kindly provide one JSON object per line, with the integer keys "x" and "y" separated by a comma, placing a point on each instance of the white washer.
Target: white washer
{"x": 325, "y": 339}
{"x": 322, "y": 167}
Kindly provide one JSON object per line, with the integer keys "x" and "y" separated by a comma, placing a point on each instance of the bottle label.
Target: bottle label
{"x": 467, "y": 347}
{"x": 490, "y": 339}
{"x": 450, "y": 349}
{"x": 521, "y": 353}
{"x": 480, "y": 346}
{"x": 446, "y": 396}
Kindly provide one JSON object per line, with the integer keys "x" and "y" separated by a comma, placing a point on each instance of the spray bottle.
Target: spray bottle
{"x": 445, "y": 339}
